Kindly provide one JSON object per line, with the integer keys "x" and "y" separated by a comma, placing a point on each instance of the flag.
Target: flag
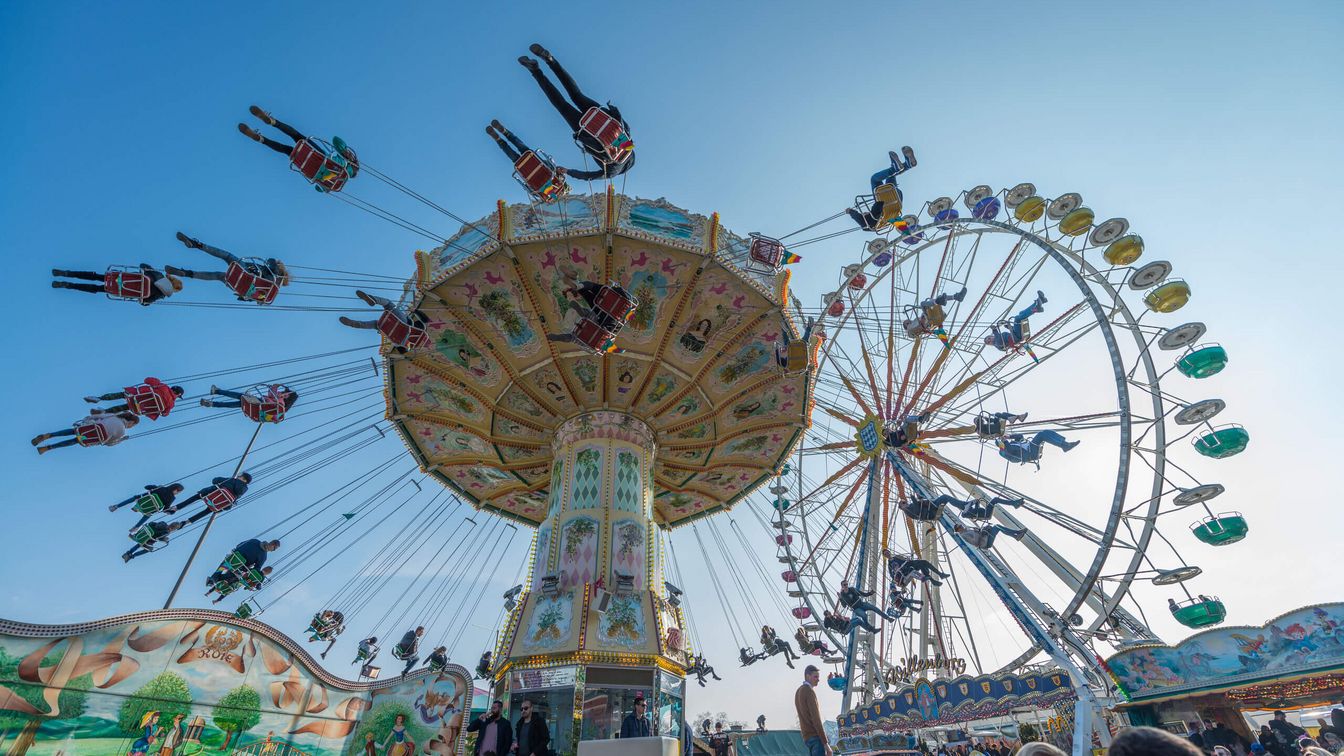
{"x": 790, "y": 258}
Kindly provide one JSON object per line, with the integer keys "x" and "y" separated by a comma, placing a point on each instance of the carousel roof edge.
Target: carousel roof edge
{"x": 19, "y": 629}
{"x": 1212, "y": 687}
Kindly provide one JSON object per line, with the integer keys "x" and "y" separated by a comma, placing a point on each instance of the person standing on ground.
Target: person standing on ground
{"x": 636, "y": 724}
{"x": 495, "y": 734}
{"x": 809, "y": 716}
{"x": 532, "y": 738}
{"x": 720, "y": 741}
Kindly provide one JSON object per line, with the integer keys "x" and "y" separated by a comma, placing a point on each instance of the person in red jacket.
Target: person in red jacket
{"x": 152, "y": 399}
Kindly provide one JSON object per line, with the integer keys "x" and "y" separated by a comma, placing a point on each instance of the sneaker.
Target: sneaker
{"x": 528, "y": 63}
{"x": 1018, "y": 534}
{"x": 249, "y": 132}
{"x": 126, "y": 557}
{"x": 1040, "y": 297}
{"x": 909, "y": 154}
{"x": 214, "y": 389}
{"x": 960, "y": 295}
{"x": 58, "y": 273}
{"x": 170, "y": 270}
{"x": 1022, "y": 418}
{"x": 1068, "y": 446}
{"x": 541, "y": 52}
{"x": 207, "y": 403}
{"x": 111, "y": 507}
{"x": 59, "y": 285}
{"x": 368, "y": 300}
{"x": 187, "y": 240}
{"x": 39, "y": 439}
{"x": 261, "y": 114}
{"x": 92, "y": 399}
{"x": 348, "y": 322}
{"x": 43, "y": 449}
{"x": 491, "y": 131}
{"x": 497, "y": 126}
{"x": 895, "y": 159}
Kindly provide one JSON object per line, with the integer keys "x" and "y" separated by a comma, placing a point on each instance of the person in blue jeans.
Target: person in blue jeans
{"x": 1009, "y": 334}
{"x": 809, "y": 714}
{"x": 1016, "y": 448}
{"x": 899, "y": 164}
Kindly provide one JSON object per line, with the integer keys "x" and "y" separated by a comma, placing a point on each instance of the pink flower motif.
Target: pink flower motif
{"x": 787, "y": 388}
{"x": 415, "y": 396}
{"x": 414, "y": 378}
{"x": 785, "y": 406}
{"x": 427, "y": 433}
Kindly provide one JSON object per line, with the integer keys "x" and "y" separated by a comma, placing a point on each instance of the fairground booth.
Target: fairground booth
{"x": 1237, "y": 675}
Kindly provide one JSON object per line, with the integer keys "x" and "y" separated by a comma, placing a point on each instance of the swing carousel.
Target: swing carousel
{"x": 529, "y": 405}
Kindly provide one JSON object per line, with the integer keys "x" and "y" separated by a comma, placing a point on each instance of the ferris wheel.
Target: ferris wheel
{"x": 998, "y": 396}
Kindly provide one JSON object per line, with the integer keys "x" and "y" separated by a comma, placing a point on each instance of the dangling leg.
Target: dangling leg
{"x": 374, "y": 300}
{"x": 134, "y": 552}
{"x": 865, "y": 220}
{"x": 215, "y": 252}
{"x": 509, "y": 152}
{"x": 120, "y": 504}
{"x": 567, "y": 111}
{"x": 884, "y": 176}
{"x": 217, "y": 403}
{"x": 365, "y": 324}
{"x": 49, "y": 447}
{"x": 81, "y": 275}
{"x": 254, "y": 135}
{"x": 1007, "y": 502}
{"x": 580, "y": 99}
{"x": 90, "y": 288}
{"x": 1054, "y": 438}
{"x": 290, "y": 131}
{"x": 1018, "y": 534}
{"x": 199, "y": 275}
{"x": 54, "y": 434}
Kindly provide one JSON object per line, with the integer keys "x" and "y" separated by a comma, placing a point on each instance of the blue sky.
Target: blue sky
{"x": 1209, "y": 125}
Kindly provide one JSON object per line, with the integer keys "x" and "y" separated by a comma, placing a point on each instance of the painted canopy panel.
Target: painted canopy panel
{"x": 698, "y": 362}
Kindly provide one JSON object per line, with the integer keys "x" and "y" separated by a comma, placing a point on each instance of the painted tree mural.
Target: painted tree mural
{"x": 167, "y": 694}
{"x": 237, "y": 712}
{"x": 20, "y": 697}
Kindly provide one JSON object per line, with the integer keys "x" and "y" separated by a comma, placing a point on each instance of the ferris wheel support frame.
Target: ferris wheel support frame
{"x": 1084, "y": 585}
{"x": 864, "y": 581}
{"x": 1026, "y": 608}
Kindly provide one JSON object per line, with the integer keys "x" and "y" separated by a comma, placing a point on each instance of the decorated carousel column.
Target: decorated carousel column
{"x": 595, "y": 627}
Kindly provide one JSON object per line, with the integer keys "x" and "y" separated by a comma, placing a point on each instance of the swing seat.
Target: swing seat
{"x": 242, "y": 279}
{"x": 235, "y": 563}
{"x": 802, "y": 612}
{"x": 987, "y": 208}
{"x": 1200, "y": 612}
{"x": 144, "y": 536}
{"x": 324, "y": 629}
{"x": 126, "y": 283}
{"x": 837, "y": 684}
{"x": 400, "y": 653}
{"x": 1221, "y": 529}
{"x": 796, "y": 357}
{"x": 265, "y": 405}
{"x": 1223, "y": 442}
{"x": 765, "y": 255}
{"x": 1030, "y": 209}
{"x": 245, "y": 610}
{"x": 365, "y": 655}
{"x": 615, "y": 303}
{"x": 1169, "y": 297}
{"x": 91, "y": 434}
{"x": 149, "y": 504}
{"x": 224, "y": 588}
{"x": 253, "y": 579}
{"x": 143, "y": 400}
{"x": 608, "y": 132}
{"x": 536, "y": 172}
{"x": 1077, "y": 222}
{"x": 401, "y": 333}
{"x": 1124, "y": 251}
{"x": 890, "y": 197}
{"x": 310, "y": 157}
{"x": 436, "y": 667}
{"x": 218, "y": 500}
{"x": 593, "y": 337}
{"x": 1203, "y": 361}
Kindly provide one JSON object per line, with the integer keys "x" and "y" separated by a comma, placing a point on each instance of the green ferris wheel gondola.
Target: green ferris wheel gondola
{"x": 1223, "y": 442}
{"x": 1203, "y": 361}
{"x": 1221, "y": 529}
{"x": 1200, "y": 612}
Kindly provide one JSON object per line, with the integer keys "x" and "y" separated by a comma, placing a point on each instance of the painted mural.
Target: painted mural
{"x": 961, "y": 699}
{"x": 578, "y": 552}
{"x": 1304, "y": 640}
{"x": 551, "y": 627}
{"x": 185, "y": 682}
{"x": 623, "y": 624}
{"x": 629, "y": 547}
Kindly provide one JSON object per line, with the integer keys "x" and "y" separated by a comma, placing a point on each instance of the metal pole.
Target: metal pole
{"x": 206, "y": 530}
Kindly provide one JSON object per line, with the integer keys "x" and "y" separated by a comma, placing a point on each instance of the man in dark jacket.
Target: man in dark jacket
{"x": 235, "y": 487}
{"x": 532, "y": 738}
{"x": 636, "y": 723}
{"x": 253, "y": 551}
{"x": 409, "y": 647}
{"x": 1336, "y": 726}
{"x": 494, "y": 732}
{"x": 1286, "y": 732}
